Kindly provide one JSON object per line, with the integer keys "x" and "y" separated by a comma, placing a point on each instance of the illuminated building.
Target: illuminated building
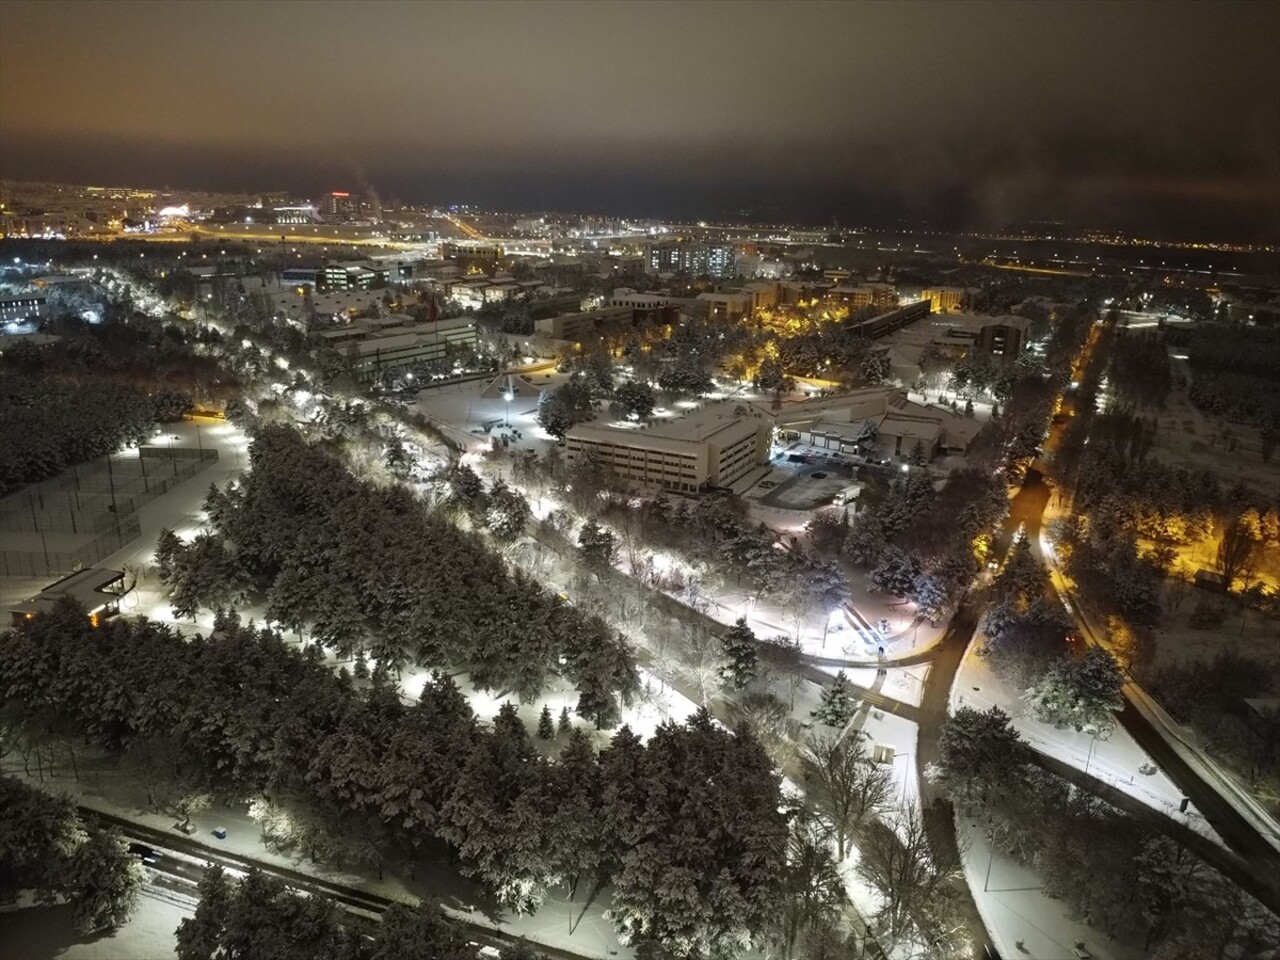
{"x": 711, "y": 447}
{"x": 339, "y": 205}
{"x": 867, "y": 295}
{"x": 22, "y": 308}
{"x": 477, "y": 252}
{"x": 392, "y": 349}
{"x": 944, "y": 298}
{"x": 96, "y": 589}
{"x": 355, "y": 275}
{"x": 698, "y": 259}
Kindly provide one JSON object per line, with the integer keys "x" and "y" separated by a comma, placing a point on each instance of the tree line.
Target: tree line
{"x": 1235, "y": 372}
{"x": 1029, "y": 639}
{"x": 714, "y": 533}
{"x": 919, "y": 543}
{"x": 47, "y": 850}
{"x": 1117, "y": 873}
{"x": 258, "y": 916}
{"x": 369, "y": 570}
{"x": 46, "y": 427}
{"x": 346, "y": 772}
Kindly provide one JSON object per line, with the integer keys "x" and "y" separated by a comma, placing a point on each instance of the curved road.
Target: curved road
{"x": 1252, "y": 862}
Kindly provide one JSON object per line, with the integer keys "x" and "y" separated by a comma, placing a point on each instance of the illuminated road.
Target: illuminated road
{"x": 358, "y": 904}
{"x": 471, "y": 232}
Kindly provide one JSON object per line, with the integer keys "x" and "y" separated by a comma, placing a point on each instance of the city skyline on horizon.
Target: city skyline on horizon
{"x": 965, "y": 118}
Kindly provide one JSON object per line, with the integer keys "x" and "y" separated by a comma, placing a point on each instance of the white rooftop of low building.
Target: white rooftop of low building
{"x": 816, "y": 405}
{"x": 86, "y": 587}
{"x": 714, "y": 420}
{"x": 895, "y": 425}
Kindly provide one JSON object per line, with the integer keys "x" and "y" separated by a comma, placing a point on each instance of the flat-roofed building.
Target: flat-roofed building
{"x": 726, "y": 306}
{"x": 855, "y": 298}
{"x": 714, "y": 446}
{"x": 699, "y": 259}
{"x": 401, "y": 347}
{"x": 1003, "y": 336}
{"x": 355, "y": 275}
{"x": 763, "y": 294}
{"x": 585, "y": 324}
{"x": 473, "y": 252}
{"x": 865, "y": 295}
{"x": 876, "y": 416}
{"x": 502, "y": 290}
{"x": 97, "y": 589}
{"x": 626, "y": 297}
{"x": 23, "y": 308}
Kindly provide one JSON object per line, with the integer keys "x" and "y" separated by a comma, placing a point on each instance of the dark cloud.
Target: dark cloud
{"x": 1151, "y": 116}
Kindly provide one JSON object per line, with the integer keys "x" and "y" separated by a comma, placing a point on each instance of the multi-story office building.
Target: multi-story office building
{"x": 698, "y": 259}
{"x": 586, "y": 324}
{"x": 1003, "y": 336}
{"x": 398, "y": 347}
{"x": 355, "y": 275}
{"x": 711, "y": 447}
{"x": 340, "y": 205}
{"x": 23, "y": 308}
{"x": 866, "y": 295}
{"x": 476, "y": 252}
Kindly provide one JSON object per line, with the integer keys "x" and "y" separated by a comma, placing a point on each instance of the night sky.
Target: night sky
{"x": 1159, "y": 118}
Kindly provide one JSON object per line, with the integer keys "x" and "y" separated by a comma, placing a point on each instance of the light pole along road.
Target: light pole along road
{"x": 362, "y": 905}
{"x": 1256, "y": 864}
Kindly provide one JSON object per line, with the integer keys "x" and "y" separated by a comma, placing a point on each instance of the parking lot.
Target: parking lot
{"x": 802, "y": 478}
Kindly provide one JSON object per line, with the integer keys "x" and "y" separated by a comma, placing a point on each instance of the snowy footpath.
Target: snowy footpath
{"x": 1021, "y": 920}
{"x": 1117, "y": 761}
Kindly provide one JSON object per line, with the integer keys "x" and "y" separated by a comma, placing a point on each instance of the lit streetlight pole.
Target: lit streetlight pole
{"x": 826, "y": 626}
{"x": 1093, "y": 741}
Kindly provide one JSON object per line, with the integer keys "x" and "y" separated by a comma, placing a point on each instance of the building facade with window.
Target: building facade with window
{"x": 23, "y": 308}
{"x": 698, "y": 259}
{"x": 712, "y": 447}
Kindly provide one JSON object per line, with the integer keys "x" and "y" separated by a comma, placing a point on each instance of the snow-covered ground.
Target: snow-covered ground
{"x": 180, "y": 509}
{"x": 1118, "y": 761}
{"x": 460, "y": 408}
{"x": 29, "y": 932}
{"x": 1020, "y": 919}
{"x": 102, "y": 787}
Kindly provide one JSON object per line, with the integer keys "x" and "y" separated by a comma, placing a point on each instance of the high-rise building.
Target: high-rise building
{"x": 698, "y": 259}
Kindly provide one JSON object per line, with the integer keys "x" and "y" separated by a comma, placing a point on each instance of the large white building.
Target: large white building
{"x": 714, "y": 446}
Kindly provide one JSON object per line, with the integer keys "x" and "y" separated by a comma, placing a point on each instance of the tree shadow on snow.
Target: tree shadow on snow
{"x": 40, "y": 933}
